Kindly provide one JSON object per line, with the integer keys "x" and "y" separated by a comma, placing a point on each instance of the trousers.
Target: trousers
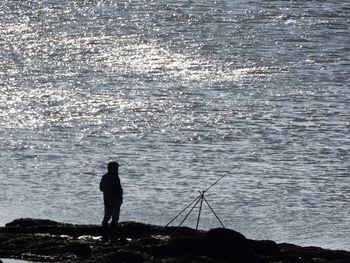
{"x": 111, "y": 212}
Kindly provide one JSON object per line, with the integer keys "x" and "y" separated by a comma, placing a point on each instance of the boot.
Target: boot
{"x": 114, "y": 231}
{"x": 105, "y": 232}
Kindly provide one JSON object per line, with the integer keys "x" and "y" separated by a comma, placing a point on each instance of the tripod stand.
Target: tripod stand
{"x": 199, "y": 200}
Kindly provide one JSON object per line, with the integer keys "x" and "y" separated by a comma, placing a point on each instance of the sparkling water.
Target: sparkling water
{"x": 180, "y": 93}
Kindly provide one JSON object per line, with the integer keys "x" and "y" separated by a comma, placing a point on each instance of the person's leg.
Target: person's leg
{"x": 115, "y": 212}
{"x": 107, "y": 215}
{"x": 114, "y": 224}
{"x": 106, "y": 218}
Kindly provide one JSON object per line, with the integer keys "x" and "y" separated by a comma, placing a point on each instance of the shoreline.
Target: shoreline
{"x": 44, "y": 240}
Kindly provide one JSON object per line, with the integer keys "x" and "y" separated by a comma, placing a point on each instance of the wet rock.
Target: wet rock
{"x": 50, "y": 241}
{"x": 264, "y": 247}
{"x": 196, "y": 259}
{"x": 59, "y": 247}
{"x": 179, "y": 246}
{"x": 30, "y": 222}
{"x": 80, "y": 250}
{"x": 181, "y": 231}
{"x": 29, "y": 225}
{"x": 296, "y": 253}
{"x": 127, "y": 256}
{"x": 226, "y": 244}
{"x": 220, "y": 244}
{"x": 134, "y": 229}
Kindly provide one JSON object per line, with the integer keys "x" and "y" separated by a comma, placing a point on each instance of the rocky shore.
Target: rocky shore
{"x": 50, "y": 241}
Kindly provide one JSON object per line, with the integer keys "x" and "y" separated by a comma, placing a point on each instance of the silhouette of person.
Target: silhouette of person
{"x": 113, "y": 198}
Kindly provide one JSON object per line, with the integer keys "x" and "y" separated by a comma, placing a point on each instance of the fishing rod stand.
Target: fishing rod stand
{"x": 199, "y": 200}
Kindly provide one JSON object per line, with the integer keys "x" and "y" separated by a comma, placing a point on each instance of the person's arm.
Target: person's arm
{"x": 118, "y": 187}
{"x": 101, "y": 185}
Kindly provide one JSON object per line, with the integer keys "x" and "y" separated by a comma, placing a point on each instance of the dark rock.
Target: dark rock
{"x": 60, "y": 229}
{"x": 55, "y": 246}
{"x": 148, "y": 241}
{"x": 226, "y": 244}
{"x": 264, "y": 247}
{"x": 127, "y": 256}
{"x": 29, "y": 222}
{"x": 80, "y": 250}
{"x": 17, "y": 242}
{"x": 221, "y": 244}
{"x": 3, "y": 238}
{"x": 181, "y": 231}
{"x": 134, "y": 229}
{"x": 312, "y": 254}
{"x": 179, "y": 246}
{"x": 50, "y": 241}
{"x": 196, "y": 259}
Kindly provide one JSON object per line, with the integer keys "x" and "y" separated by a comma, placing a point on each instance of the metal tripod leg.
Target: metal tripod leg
{"x": 200, "y": 199}
{"x": 200, "y": 210}
{"x": 172, "y": 220}
{"x": 212, "y": 210}
{"x": 190, "y": 211}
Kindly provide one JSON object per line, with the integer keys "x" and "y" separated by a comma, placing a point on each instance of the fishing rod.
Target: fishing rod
{"x": 218, "y": 180}
{"x": 199, "y": 200}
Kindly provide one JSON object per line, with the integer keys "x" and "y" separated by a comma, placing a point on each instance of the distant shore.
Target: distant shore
{"x": 50, "y": 241}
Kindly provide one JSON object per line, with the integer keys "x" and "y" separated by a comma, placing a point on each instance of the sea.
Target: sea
{"x": 242, "y": 102}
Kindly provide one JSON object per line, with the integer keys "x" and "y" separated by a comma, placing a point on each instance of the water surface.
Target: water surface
{"x": 180, "y": 93}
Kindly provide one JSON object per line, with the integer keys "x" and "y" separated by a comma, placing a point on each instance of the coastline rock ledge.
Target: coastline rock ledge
{"x": 44, "y": 240}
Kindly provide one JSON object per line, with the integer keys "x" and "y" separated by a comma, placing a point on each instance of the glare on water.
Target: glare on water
{"x": 179, "y": 92}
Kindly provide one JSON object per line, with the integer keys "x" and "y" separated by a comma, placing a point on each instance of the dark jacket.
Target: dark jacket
{"x": 112, "y": 190}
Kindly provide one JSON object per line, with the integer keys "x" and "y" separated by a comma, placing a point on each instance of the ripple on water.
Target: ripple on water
{"x": 179, "y": 93}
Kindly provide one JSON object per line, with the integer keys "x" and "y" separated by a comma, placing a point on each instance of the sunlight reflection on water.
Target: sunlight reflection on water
{"x": 179, "y": 93}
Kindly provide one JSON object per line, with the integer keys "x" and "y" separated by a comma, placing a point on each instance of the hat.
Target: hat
{"x": 113, "y": 166}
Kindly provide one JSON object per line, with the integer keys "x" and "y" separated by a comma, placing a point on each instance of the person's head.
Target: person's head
{"x": 113, "y": 167}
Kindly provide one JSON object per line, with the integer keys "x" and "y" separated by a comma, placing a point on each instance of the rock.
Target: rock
{"x": 127, "y": 256}
{"x": 264, "y": 247}
{"x": 226, "y": 244}
{"x": 134, "y": 229}
{"x": 59, "y": 229}
{"x": 196, "y": 259}
{"x": 50, "y": 241}
{"x": 220, "y": 244}
{"x": 180, "y": 246}
{"x": 80, "y": 250}
{"x": 56, "y": 246}
{"x": 181, "y": 231}
{"x": 29, "y": 222}
{"x": 314, "y": 254}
